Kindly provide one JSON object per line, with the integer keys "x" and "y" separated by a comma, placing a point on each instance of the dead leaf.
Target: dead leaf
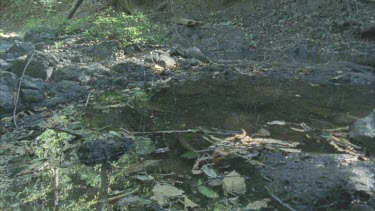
{"x": 195, "y": 170}
{"x": 40, "y": 109}
{"x": 290, "y": 150}
{"x": 21, "y": 150}
{"x": 189, "y": 204}
{"x": 29, "y": 150}
{"x": 6, "y": 119}
{"x": 5, "y": 146}
{"x": 234, "y": 183}
{"x": 257, "y": 205}
{"x": 297, "y": 129}
{"x": 263, "y": 132}
{"x": 163, "y": 193}
{"x": 157, "y": 68}
{"x": 34, "y": 168}
{"x": 276, "y": 123}
{"x": 216, "y": 73}
{"x": 269, "y": 141}
{"x": 135, "y": 167}
{"x": 306, "y": 127}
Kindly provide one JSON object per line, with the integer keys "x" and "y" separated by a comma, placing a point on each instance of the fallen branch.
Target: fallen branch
{"x": 19, "y": 90}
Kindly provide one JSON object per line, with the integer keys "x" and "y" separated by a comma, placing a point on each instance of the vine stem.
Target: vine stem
{"x": 19, "y": 90}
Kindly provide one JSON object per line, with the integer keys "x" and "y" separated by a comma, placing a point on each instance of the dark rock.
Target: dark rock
{"x": 6, "y": 43}
{"x": 79, "y": 72}
{"x": 20, "y": 48}
{"x": 40, "y": 66}
{"x": 104, "y": 50}
{"x": 195, "y": 53}
{"x": 308, "y": 181}
{"x": 41, "y": 34}
{"x": 297, "y": 51}
{"x": 222, "y": 42}
{"x": 126, "y": 67}
{"x": 184, "y": 64}
{"x": 93, "y": 152}
{"x": 8, "y": 86}
{"x": 132, "y": 49}
{"x": 121, "y": 81}
{"x": 32, "y": 96}
{"x": 368, "y": 33}
{"x": 71, "y": 73}
{"x": 36, "y": 92}
{"x": 43, "y": 45}
{"x": 4, "y": 65}
{"x": 161, "y": 58}
{"x": 363, "y": 131}
{"x": 33, "y": 83}
{"x": 62, "y": 92}
{"x": 195, "y": 62}
{"x": 32, "y": 90}
{"x": 192, "y": 53}
{"x": 7, "y": 56}
{"x": 338, "y": 72}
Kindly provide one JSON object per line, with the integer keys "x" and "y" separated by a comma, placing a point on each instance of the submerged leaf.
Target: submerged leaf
{"x": 206, "y": 191}
{"x": 257, "y": 205}
{"x": 263, "y": 132}
{"x": 190, "y": 155}
{"x": 144, "y": 146}
{"x": 234, "y": 183}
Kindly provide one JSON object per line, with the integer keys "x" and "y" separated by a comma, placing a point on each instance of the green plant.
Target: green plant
{"x": 52, "y": 21}
{"x": 136, "y": 28}
{"x": 59, "y": 44}
{"x": 50, "y": 143}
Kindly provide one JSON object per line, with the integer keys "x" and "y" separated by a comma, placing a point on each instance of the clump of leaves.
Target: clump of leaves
{"x": 51, "y": 142}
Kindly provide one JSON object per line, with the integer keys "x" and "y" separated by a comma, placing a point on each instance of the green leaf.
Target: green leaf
{"x": 144, "y": 177}
{"x": 209, "y": 171}
{"x": 206, "y": 191}
{"x": 190, "y": 155}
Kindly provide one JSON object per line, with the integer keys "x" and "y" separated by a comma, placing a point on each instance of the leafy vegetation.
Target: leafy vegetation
{"x": 51, "y": 142}
{"x": 107, "y": 24}
{"x": 127, "y": 29}
{"x": 136, "y": 28}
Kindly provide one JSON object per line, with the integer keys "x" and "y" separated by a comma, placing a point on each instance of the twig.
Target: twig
{"x": 188, "y": 131}
{"x": 71, "y": 132}
{"x": 110, "y": 200}
{"x": 280, "y": 201}
{"x": 88, "y": 99}
{"x": 19, "y": 90}
{"x": 327, "y": 205}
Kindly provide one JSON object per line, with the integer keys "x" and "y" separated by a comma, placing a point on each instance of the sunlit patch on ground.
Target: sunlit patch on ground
{"x": 7, "y": 34}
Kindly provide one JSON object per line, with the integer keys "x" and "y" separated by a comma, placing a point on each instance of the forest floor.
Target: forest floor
{"x": 248, "y": 109}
